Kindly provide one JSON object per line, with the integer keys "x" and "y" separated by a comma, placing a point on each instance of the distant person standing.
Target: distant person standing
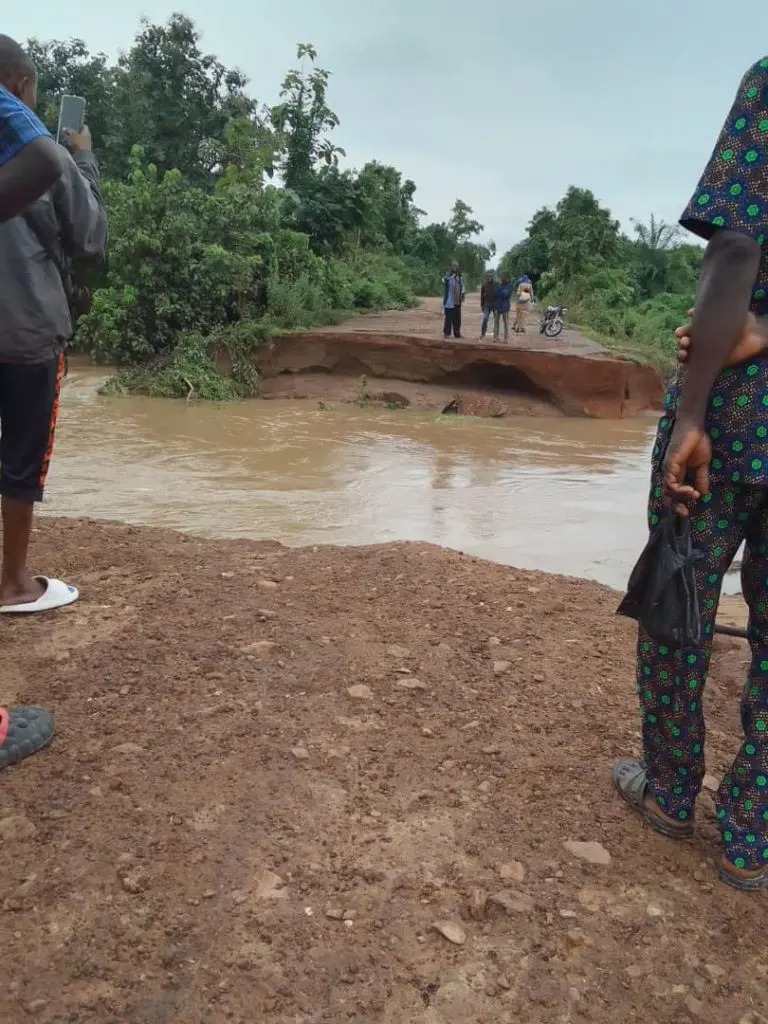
{"x": 523, "y": 303}
{"x": 487, "y": 294}
{"x": 453, "y": 298}
{"x": 502, "y": 303}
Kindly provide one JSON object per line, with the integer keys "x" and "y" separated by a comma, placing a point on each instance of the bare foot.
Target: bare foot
{"x": 21, "y": 591}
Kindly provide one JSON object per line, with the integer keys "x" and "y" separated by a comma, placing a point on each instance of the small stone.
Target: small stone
{"x": 259, "y": 647}
{"x": 714, "y": 971}
{"x": 539, "y": 678}
{"x": 36, "y": 1005}
{"x": 124, "y": 691}
{"x": 411, "y": 683}
{"x": 575, "y": 939}
{"x": 478, "y": 904}
{"x": 694, "y": 1006}
{"x": 711, "y": 783}
{"x": 451, "y": 931}
{"x": 267, "y": 584}
{"x": 514, "y": 902}
{"x": 491, "y": 750}
{"x": 426, "y": 731}
{"x": 568, "y": 914}
{"x": 592, "y": 853}
{"x": 485, "y": 787}
{"x": 270, "y": 887}
{"x": 360, "y": 692}
{"x": 398, "y": 652}
{"x": 500, "y": 667}
{"x": 700, "y": 875}
{"x": 133, "y": 879}
{"x": 16, "y": 826}
{"x": 128, "y": 748}
{"x": 265, "y": 613}
{"x": 514, "y": 871}
{"x": 334, "y": 913}
{"x": 635, "y": 971}
{"x": 227, "y": 575}
{"x": 300, "y": 753}
{"x": 503, "y": 982}
{"x": 654, "y": 911}
{"x": 24, "y": 889}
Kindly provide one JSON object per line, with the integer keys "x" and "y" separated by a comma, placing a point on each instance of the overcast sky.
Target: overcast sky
{"x": 501, "y": 103}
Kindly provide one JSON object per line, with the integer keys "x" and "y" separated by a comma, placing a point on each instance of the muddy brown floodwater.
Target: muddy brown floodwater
{"x": 561, "y": 495}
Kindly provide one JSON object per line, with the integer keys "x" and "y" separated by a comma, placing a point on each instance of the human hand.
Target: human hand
{"x": 79, "y": 142}
{"x": 688, "y": 456}
{"x": 751, "y": 342}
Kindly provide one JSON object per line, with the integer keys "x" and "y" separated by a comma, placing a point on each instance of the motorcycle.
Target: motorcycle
{"x": 552, "y": 321}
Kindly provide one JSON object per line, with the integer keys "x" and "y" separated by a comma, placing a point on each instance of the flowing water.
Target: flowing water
{"x": 564, "y": 495}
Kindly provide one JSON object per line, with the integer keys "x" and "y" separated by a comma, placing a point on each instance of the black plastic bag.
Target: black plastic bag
{"x": 661, "y": 593}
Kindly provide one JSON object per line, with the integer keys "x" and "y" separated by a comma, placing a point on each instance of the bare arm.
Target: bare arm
{"x": 28, "y": 175}
{"x": 725, "y": 286}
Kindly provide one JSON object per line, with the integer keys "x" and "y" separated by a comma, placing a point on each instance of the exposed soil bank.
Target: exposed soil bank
{"x": 570, "y": 373}
{"x": 224, "y": 831}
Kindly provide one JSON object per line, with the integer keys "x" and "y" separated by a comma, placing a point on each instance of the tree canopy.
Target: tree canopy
{"x": 631, "y": 291}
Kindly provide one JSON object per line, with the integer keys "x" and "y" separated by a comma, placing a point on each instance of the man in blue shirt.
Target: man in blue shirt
{"x": 710, "y": 462}
{"x": 453, "y": 297}
{"x": 30, "y": 164}
{"x": 35, "y": 252}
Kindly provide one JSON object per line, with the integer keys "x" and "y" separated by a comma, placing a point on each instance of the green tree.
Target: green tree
{"x": 462, "y": 224}
{"x": 303, "y": 118}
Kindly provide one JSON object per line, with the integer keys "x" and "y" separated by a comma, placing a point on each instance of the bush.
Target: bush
{"x": 192, "y": 273}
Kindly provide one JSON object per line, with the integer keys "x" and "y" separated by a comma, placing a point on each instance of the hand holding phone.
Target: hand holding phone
{"x": 71, "y": 118}
{"x": 78, "y": 142}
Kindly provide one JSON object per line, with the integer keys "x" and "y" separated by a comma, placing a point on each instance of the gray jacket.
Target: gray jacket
{"x": 35, "y": 322}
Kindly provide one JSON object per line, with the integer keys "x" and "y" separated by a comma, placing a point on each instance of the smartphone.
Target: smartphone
{"x": 71, "y": 117}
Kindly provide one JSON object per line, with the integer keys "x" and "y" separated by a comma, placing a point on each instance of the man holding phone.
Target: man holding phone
{"x": 30, "y": 164}
{"x": 36, "y": 249}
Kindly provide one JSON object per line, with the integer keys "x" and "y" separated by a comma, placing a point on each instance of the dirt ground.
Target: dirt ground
{"x": 320, "y": 785}
{"x": 426, "y": 321}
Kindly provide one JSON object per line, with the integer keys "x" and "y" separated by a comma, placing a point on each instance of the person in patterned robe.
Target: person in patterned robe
{"x": 710, "y": 461}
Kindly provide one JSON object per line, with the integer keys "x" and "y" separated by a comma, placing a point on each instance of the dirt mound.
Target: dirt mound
{"x": 599, "y": 386}
{"x": 570, "y": 373}
{"x": 315, "y": 786}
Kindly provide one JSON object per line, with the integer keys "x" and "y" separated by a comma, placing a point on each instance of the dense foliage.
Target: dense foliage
{"x": 629, "y": 292}
{"x": 229, "y": 219}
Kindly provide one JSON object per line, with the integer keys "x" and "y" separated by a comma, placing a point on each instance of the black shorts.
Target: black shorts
{"x": 29, "y": 408}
